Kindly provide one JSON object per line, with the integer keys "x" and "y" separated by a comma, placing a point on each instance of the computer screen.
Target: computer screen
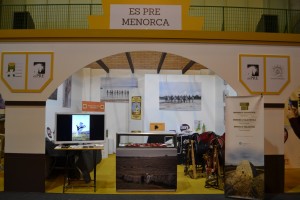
{"x": 79, "y": 128}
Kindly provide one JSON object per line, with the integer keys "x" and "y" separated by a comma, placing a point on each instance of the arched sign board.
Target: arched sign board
{"x": 27, "y": 71}
{"x": 264, "y": 74}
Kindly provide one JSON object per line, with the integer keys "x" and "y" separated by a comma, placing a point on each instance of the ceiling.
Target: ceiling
{"x": 147, "y": 60}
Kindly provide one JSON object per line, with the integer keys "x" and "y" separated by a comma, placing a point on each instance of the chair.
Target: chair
{"x": 54, "y": 159}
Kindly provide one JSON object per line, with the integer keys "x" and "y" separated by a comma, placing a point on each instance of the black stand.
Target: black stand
{"x": 70, "y": 165}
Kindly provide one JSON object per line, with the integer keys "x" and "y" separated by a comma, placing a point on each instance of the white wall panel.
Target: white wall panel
{"x": 274, "y": 137}
{"x": 24, "y": 129}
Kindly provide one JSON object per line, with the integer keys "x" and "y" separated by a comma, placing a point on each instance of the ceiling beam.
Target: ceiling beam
{"x": 103, "y": 65}
{"x": 188, "y": 66}
{"x": 130, "y": 62}
{"x": 161, "y": 61}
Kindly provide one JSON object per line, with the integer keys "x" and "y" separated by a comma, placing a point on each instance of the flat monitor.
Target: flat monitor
{"x": 79, "y": 128}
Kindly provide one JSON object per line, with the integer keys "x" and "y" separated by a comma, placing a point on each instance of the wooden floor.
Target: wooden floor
{"x": 185, "y": 185}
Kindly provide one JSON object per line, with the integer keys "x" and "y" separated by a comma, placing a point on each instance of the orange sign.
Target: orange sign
{"x": 93, "y": 106}
{"x": 157, "y": 126}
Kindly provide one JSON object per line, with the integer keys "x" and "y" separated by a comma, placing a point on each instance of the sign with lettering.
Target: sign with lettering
{"x": 146, "y": 15}
{"x": 27, "y": 71}
{"x": 244, "y": 149}
{"x": 264, "y": 74}
{"x": 167, "y": 17}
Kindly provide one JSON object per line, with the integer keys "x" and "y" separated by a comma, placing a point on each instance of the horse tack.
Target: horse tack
{"x": 208, "y": 152}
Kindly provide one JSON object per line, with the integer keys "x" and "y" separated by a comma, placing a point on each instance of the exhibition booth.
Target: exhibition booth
{"x": 65, "y": 59}
{"x": 241, "y": 92}
{"x": 127, "y": 113}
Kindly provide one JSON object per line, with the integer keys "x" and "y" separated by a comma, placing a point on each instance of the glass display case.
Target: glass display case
{"x": 146, "y": 140}
{"x": 146, "y": 161}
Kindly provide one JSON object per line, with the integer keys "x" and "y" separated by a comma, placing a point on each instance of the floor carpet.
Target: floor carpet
{"x": 187, "y": 188}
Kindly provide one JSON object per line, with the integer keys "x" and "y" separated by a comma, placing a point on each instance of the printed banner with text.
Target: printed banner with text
{"x": 244, "y": 149}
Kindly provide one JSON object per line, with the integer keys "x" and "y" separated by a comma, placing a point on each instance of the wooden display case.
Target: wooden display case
{"x": 146, "y": 161}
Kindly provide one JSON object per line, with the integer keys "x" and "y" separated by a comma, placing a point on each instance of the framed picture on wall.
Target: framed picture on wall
{"x": 184, "y": 96}
{"x": 116, "y": 89}
{"x": 136, "y": 107}
{"x": 67, "y": 88}
{"x": 53, "y": 96}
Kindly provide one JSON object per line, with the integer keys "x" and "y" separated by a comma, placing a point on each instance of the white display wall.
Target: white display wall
{"x": 212, "y": 108}
{"x": 86, "y": 87}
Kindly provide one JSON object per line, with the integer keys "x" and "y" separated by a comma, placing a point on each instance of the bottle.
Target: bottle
{"x": 203, "y": 128}
{"x": 198, "y": 128}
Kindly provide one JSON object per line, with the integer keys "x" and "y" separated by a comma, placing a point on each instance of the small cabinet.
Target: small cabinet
{"x": 146, "y": 161}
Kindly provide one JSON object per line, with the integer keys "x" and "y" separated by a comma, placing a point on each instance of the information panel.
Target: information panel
{"x": 244, "y": 148}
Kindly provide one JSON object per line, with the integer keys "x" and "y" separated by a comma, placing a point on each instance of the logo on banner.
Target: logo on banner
{"x": 184, "y": 128}
{"x": 27, "y": 71}
{"x": 39, "y": 69}
{"x": 277, "y": 72}
{"x": 253, "y": 71}
{"x": 264, "y": 74}
{"x": 244, "y": 105}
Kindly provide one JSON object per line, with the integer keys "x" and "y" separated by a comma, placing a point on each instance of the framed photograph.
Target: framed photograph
{"x": 116, "y": 89}
{"x": 184, "y": 96}
{"x": 67, "y": 88}
{"x": 136, "y": 107}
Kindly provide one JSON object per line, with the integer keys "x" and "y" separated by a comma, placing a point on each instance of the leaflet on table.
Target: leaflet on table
{"x": 77, "y": 146}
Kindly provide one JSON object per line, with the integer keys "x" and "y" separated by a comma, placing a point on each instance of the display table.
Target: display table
{"x": 146, "y": 162}
{"x": 70, "y": 150}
